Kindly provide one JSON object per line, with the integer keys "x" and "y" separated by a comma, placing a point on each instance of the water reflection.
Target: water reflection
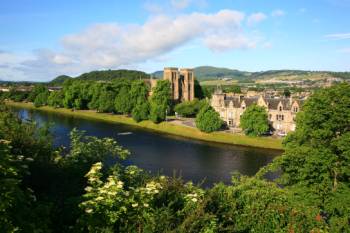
{"x": 195, "y": 160}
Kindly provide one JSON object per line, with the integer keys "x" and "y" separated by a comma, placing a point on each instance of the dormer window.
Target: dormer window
{"x": 295, "y": 109}
{"x": 280, "y": 108}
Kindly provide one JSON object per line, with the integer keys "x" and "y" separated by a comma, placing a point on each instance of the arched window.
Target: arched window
{"x": 280, "y": 108}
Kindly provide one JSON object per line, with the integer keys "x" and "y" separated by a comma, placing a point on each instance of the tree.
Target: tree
{"x": 55, "y": 99}
{"x": 123, "y": 103}
{"x": 140, "y": 112}
{"x": 254, "y": 120}
{"x": 138, "y": 92}
{"x": 286, "y": 92}
{"x": 41, "y": 99}
{"x": 106, "y": 101}
{"x": 198, "y": 90}
{"x": 208, "y": 120}
{"x": 315, "y": 164}
{"x": 189, "y": 108}
{"x": 234, "y": 89}
{"x": 36, "y": 91}
{"x": 160, "y": 101}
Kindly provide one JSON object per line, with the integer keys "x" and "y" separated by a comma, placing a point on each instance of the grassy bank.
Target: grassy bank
{"x": 164, "y": 127}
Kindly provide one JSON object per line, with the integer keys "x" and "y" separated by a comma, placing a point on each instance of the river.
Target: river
{"x": 195, "y": 160}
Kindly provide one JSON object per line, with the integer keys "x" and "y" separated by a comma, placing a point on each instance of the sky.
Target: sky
{"x": 40, "y": 40}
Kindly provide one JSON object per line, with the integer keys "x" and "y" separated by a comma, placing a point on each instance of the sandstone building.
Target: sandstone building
{"x": 181, "y": 81}
{"x": 281, "y": 111}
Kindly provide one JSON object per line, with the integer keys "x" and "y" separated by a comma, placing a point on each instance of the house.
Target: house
{"x": 281, "y": 111}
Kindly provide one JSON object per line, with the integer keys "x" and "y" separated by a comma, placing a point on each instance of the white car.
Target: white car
{"x": 282, "y": 134}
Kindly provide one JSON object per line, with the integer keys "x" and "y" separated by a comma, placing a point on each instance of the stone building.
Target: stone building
{"x": 182, "y": 83}
{"x": 281, "y": 111}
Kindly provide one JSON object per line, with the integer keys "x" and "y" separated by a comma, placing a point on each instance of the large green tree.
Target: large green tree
{"x": 123, "y": 103}
{"x": 315, "y": 164}
{"x": 55, "y": 99}
{"x": 160, "y": 101}
{"x": 41, "y": 99}
{"x": 208, "y": 120}
{"x": 254, "y": 120}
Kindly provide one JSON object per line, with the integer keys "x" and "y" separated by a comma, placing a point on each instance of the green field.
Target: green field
{"x": 164, "y": 127}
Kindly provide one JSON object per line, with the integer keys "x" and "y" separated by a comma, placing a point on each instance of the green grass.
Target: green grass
{"x": 164, "y": 127}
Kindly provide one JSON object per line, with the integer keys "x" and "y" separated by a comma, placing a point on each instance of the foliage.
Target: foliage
{"x": 315, "y": 165}
{"x": 160, "y": 101}
{"x": 106, "y": 101}
{"x": 189, "y": 108}
{"x": 286, "y": 92}
{"x": 36, "y": 91}
{"x": 254, "y": 120}
{"x": 140, "y": 112}
{"x": 208, "y": 120}
{"x": 123, "y": 103}
{"x": 112, "y": 75}
{"x": 41, "y": 99}
{"x": 234, "y": 89}
{"x": 55, "y": 99}
{"x": 46, "y": 189}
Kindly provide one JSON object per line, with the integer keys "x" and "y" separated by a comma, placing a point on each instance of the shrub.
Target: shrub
{"x": 254, "y": 120}
{"x": 208, "y": 120}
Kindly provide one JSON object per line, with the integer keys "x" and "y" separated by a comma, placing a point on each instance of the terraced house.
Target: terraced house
{"x": 281, "y": 111}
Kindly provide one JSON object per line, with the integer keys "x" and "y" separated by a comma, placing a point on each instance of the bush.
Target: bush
{"x": 189, "y": 108}
{"x": 208, "y": 120}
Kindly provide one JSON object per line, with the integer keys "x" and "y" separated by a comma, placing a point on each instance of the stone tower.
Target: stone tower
{"x": 172, "y": 75}
{"x": 187, "y": 79}
{"x": 182, "y": 83}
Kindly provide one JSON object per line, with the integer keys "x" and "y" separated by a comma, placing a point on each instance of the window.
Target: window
{"x": 280, "y": 108}
{"x": 295, "y": 109}
{"x": 280, "y": 117}
{"x": 230, "y": 114}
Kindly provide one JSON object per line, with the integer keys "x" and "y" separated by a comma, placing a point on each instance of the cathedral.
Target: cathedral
{"x": 181, "y": 81}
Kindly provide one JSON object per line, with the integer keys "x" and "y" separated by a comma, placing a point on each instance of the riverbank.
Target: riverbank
{"x": 164, "y": 127}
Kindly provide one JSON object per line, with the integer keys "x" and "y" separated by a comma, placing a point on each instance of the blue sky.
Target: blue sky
{"x": 42, "y": 39}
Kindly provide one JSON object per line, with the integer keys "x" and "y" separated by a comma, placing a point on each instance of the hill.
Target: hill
{"x": 207, "y": 73}
{"x": 103, "y": 75}
{"x": 211, "y": 72}
{"x": 59, "y": 80}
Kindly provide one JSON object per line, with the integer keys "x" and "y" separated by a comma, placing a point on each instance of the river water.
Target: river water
{"x": 195, "y": 160}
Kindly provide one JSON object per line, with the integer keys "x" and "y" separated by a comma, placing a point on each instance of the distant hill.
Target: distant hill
{"x": 59, "y": 80}
{"x": 203, "y": 73}
{"x": 211, "y": 72}
{"x": 103, "y": 75}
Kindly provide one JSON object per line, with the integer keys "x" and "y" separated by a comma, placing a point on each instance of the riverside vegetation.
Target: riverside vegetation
{"x": 129, "y": 97}
{"x": 46, "y": 189}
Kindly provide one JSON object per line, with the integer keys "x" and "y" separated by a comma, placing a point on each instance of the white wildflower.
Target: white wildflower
{"x": 135, "y": 205}
{"x": 89, "y": 211}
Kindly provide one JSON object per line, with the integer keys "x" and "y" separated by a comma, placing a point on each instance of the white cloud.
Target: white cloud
{"x": 278, "y": 13}
{"x": 112, "y": 45}
{"x": 338, "y": 36}
{"x": 344, "y": 50}
{"x": 255, "y": 18}
{"x": 180, "y": 4}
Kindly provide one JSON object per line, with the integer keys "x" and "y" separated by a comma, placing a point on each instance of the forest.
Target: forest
{"x": 49, "y": 189}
